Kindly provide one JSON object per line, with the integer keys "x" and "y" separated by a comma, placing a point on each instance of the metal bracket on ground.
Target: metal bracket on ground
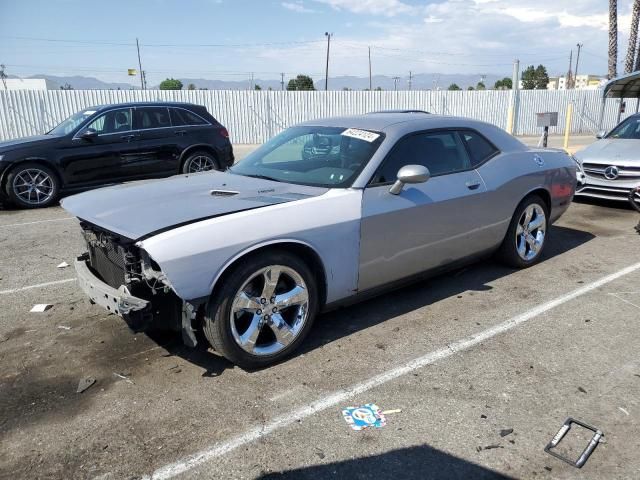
{"x": 593, "y": 443}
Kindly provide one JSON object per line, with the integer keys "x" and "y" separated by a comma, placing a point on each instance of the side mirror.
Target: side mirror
{"x": 601, "y": 134}
{"x": 89, "y": 134}
{"x": 410, "y": 174}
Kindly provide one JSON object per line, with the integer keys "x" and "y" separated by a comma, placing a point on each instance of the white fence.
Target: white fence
{"x": 254, "y": 116}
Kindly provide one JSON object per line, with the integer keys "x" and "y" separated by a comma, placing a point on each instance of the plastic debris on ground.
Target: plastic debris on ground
{"x": 64, "y": 327}
{"x": 63, "y": 265}
{"x": 85, "y": 383}
{"x": 366, "y": 416}
{"x": 41, "y": 307}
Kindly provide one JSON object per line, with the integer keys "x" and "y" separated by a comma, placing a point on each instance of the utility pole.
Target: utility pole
{"x": 512, "y": 114}
{"x": 569, "y": 74}
{"x": 282, "y": 81}
{"x": 395, "y": 83}
{"x": 370, "y": 86}
{"x": 410, "y": 78}
{"x": 326, "y": 72}
{"x": 142, "y": 82}
{"x": 579, "y": 45}
{"x": 251, "y": 85}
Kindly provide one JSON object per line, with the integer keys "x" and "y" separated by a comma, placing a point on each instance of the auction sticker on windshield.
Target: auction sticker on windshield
{"x": 360, "y": 134}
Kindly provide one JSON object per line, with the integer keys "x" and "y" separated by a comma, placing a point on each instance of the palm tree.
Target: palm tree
{"x": 613, "y": 38}
{"x": 633, "y": 38}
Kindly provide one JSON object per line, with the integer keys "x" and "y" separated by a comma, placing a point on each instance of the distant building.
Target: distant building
{"x": 23, "y": 84}
{"x": 582, "y": 82}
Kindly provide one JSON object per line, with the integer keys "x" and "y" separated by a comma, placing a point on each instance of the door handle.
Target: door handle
{"x": 129, "y": 137}
{"x": 472, "y": 184}
{"x": 180, "y": 132}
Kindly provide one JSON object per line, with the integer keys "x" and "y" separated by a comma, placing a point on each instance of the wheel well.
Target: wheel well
{"x": 302, "y": 251}
{"x": 544, "y": 194}
{"x": 189, "y": 150}
{"x": 5, "y": 175}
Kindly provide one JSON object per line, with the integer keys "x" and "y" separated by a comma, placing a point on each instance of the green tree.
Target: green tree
{"x": 301, "y": 82}
{"x": 542, "y": 77}
{"x": 191, "y": 86}
{"x": 505, "y": 84}
{"x": 470, "y": 88}
{"x": 378, "y": 89}
{"x": 66, "y": 86}
{"x": 453, "y": 87}
{"x": 481, "y": 86}
{"x": 171, "y": 84}
{"x": 257, "y": 87}
{"x": 535, "y": 78}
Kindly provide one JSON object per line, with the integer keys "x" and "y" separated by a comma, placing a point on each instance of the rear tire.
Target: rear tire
{"x": 32, "y": 185}
{"x": 200, "y": 161}
{"x": 527, "y": 234}
{"x": 263, "y": 310}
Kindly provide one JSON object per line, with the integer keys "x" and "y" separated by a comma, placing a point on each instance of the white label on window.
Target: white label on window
{"x": 360, "y": 134}
{"x": 88, "y": 112}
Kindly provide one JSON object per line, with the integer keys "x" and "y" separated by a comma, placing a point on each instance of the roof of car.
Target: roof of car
{"x": 382, "y": 121}
{"x": 143, "y": 104}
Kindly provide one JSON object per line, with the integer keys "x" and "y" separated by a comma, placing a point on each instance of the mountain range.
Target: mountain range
{"x": 425, "y": 81}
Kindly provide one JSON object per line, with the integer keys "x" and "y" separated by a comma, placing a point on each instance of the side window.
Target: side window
{"x": 151, "y": 117}
{"x": 479, "y": 147}
{"x": 182, "y": 117}
{"x": 114, "y": 121}
{"x": 440, "y": 152}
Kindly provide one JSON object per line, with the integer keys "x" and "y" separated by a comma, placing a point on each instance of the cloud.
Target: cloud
{"x": 387, "y": 8}
{"x": 297, "y": 7}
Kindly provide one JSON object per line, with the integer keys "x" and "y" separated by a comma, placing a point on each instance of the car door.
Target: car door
{"x": 427, "y": 225}
{"x": 157, "y": 152}
{"x": 98, "y": 160}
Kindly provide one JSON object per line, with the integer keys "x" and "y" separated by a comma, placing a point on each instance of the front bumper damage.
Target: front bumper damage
{"x": 135, "y": 311}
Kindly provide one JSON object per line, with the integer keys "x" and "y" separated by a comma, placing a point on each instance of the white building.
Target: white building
{"x": 23, "y": 84}
{"x": 582, "y": 82}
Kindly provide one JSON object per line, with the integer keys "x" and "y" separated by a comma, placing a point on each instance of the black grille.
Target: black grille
{"x": 114, "y": 263}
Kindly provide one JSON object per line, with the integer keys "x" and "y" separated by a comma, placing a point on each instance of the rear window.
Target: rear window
{"x": 151, "y": 117}
{"x": 182, "y": 117}
{"x": 480, "y": 149}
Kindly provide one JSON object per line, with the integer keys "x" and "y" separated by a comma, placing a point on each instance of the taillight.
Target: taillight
{"x": 224, "y": 132}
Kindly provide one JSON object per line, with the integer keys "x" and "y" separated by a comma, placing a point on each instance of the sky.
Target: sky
{"x": 231, "y": 39}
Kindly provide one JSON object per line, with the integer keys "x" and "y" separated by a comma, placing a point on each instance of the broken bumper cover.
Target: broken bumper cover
{"x": 135, "y": 311}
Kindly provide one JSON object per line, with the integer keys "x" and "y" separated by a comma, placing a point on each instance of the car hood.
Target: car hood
{"x": 16, "y": 143}
{"x": 138, "y": 210}
{"x": 610, "y": 151}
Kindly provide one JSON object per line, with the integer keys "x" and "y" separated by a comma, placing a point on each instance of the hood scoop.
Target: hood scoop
{"x": 223, "y": 193}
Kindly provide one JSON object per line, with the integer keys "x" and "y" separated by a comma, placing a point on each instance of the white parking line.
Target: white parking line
{"x": 37, "y": 221}
{"x": 39, "y": 285}
{"x": 217, "y": 450}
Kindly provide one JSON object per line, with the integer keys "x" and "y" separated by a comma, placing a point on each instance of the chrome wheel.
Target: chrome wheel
{"x": 33, "y": 186}
{"x": 201, "y": 163}
{"x": 530, "y": 232}
{"x": 270, "y": 310}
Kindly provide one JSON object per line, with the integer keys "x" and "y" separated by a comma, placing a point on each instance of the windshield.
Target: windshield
{"x": 71, "y": 123}
{"x": 629, "y": 129}
{"x": 316, "y": 156}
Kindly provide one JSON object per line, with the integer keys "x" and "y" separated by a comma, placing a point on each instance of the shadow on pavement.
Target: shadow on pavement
{"x": 423, "y": 462}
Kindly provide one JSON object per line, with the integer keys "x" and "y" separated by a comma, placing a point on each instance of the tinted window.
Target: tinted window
{"x": 440, "y": 152}
{"x": 151, "y": 117}
{"x": 113, "y": 121}
{"x": 182, "y": 117}
{"x": 479, "y": 147}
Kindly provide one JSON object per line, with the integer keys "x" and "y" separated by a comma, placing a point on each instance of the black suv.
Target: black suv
{"x": 110, "y": 144}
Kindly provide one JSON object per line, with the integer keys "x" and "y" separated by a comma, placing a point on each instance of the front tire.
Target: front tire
{"x": 527, "y": 234}
{"x": 200, "y": 161}
{"x": 263, "y": 311}
{"x": 32, "y": 185}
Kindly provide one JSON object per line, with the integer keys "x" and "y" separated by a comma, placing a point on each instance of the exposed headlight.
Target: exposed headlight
{"x": 1, "y": 157}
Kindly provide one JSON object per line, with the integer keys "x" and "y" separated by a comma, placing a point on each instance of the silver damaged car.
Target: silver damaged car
{"x": 325, "y": 213}
{"x": 610, "y": 167}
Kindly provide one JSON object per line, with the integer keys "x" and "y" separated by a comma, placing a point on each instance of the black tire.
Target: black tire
{"x": 49, "y": 189}
{"x": 217, "y": 322}
{"x": 634, "y": 198}
{"x": 508, "y": 251}
{"x": 200, "y": 156}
